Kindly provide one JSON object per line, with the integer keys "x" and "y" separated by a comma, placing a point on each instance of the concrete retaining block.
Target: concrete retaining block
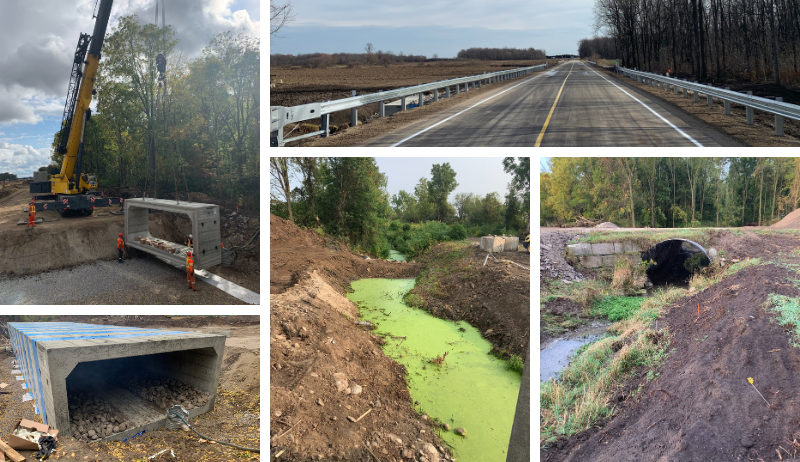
{"x": 511, "y": 244}
{"x": 55, "y": 356}
{"x": 583, "y": 248}
{"x": 603, "y": 248}
{"x": 610, "y": 260}
{"x": 631, "y": 247}
{"x": 591, "y": 261}
{"x": 492, "y": 243}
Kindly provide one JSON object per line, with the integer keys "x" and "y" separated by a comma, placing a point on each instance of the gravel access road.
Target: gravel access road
{"x": 136, "y": 281}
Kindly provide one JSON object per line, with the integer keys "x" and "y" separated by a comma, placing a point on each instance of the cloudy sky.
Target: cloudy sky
{"x": 443, "y": 27}
{"x": 38, "y": 39}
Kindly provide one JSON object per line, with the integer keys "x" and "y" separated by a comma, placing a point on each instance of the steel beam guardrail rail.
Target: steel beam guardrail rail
{"x": 779, "y": 108}
{"x": 591, "y": 62}
{"x": 281, "y": 116}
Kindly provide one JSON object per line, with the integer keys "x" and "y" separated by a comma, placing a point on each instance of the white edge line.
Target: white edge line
{"x": 651, "y": 110}
{"x": 465, "y": 110}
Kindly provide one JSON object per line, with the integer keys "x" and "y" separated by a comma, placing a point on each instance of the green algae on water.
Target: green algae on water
{"x": 471, "y": 389}
{"x": 396, "y": 256}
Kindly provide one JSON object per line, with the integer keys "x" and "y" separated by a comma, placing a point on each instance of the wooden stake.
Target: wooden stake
{"x": 287, "y": 431}
{"x": 363, "y": 415}
{"x": 11, "y": 453}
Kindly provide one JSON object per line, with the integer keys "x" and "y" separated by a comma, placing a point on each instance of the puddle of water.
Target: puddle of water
{"x": 556, "y": 353}
{"x": 396, "y": 256}
{"x": 471, "y": 389}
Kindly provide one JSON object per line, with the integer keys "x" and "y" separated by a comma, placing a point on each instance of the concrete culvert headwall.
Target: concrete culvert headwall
{"x": 96, "y": 382}
{"x": 675, "y": 261}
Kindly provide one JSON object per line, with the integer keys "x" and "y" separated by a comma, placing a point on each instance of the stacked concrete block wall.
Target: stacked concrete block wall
{"x": 603, "y": 254}
{"x": 206, "y": 223}
{"x": 58, "y": 356}
{"x": 500, "y": 243}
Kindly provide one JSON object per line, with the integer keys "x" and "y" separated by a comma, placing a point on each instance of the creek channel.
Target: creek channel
{"x": 470, "y": 389}
{"x": 396, "y": 256}
{"x": 555, "y": 354}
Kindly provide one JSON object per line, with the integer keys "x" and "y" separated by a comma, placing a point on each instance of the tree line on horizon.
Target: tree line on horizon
{"x": 709, "y": 39}
{"x": 669, "y": 192}
{"x": 502, "y": 54}
{"x": 346, "y": 197}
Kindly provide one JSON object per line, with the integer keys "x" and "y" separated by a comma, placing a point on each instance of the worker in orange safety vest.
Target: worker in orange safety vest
{"x": 120, "y": 247}
{"x": 31, "y": 214}
{"x": 190, "y": 242}
{"x": 190, "y": 270}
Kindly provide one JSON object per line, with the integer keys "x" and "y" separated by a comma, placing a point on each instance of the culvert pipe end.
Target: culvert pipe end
{"x": 675, "y": 262}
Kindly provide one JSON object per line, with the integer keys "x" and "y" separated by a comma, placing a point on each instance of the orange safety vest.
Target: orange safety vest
{"x": 120, "y": 243}
{"x": 189, "y": 265}
{"x": 189, "y": 242}
{"x": 32, "y": 209}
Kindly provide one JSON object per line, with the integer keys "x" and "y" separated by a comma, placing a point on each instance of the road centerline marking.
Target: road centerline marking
{"x": 552, "y": 109}
{"x": 685, "y": 135}
{"x": 465, "y": 110}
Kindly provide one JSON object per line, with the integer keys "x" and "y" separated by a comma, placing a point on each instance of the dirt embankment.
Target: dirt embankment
{"x": 762, "y": 133}
{"x": 495, "y": 298}
{"x": 702, "y": 407}
{"x": 317, "y": 352}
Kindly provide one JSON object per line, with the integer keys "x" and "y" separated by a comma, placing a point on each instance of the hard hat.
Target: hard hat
{"x": 190, "y": 235}
{"x": 189, "y": 253}
{"x": 120, "y": 234}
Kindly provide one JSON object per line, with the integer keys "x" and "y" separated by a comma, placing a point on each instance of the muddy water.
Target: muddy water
{"x": 471, "y": 389}
{"x": 396, "y": 256}
{"x": 555, "y": 355}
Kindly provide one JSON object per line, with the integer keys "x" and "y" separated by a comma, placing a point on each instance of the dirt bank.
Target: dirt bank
{"x": 495, "y": 298}
{"x": 701, "y": 407}
{"x": 295, "y": 252}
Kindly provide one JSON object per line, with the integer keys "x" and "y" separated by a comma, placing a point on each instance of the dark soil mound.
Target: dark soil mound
{"x": 494, "y": 298}
{"x": 701, "y": 407}
{"x": 294, "y": 251}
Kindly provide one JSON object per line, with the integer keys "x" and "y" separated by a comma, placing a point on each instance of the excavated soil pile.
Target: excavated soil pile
{"x": 701, "y": 407}
{"x": 494, "y": 298}
{"x": 791, "y": 221}
{"x": 295, "y": 251}
{"x": 318, "y": 353}
{"x": 752, "y": 245}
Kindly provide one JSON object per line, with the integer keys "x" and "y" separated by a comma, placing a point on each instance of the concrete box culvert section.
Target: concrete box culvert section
{"x": 115, "y": 381}
{"x": 205, "y": 220}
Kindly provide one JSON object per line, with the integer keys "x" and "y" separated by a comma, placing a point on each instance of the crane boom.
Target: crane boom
{"x": 69, "y": 180}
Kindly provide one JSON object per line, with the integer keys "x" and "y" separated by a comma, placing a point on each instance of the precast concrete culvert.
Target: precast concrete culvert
{"x": 675, "y": 261}
{"x": 96, "y": 382}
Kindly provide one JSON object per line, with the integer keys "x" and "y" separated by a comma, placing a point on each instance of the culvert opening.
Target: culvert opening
{"x": 675, "y": 262}
{"x": 112, "y": 396}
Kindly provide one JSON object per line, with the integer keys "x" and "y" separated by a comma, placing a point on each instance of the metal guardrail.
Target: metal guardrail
{"x": 281, "y": 116}
{"x": 780, "y": 109}
{"x": 591, "y": 62}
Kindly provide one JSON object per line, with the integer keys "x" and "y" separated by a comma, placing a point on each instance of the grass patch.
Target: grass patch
{"x": 555, "y": 325}
{"x": 582, "y": 292}
{"x": 788, "y": 310}
{"x": 647, "y": 238}
{"x": 617, "y": 308}
{"x": 516, "y": 364}
{"x": 710, "y": 276}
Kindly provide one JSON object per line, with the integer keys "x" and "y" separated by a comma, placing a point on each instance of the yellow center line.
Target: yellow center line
{"x": 547, "y": 122}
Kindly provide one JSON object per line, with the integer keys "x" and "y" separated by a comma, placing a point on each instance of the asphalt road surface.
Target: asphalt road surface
{"x": 571, "y": 104}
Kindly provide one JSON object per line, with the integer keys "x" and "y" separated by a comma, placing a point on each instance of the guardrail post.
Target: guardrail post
{"x": 458, "y": 88}
{"x": 727, "y": 104}
{"x": 353, "y": 113}
{"x": 696, "y": 96}
{"x": 382, "y": 109}
{"x": 421, "y": 100}
{"x": 686, "y": 93}
{"x": 435, "y": 94}
{"x": 403, "y": 103}
{"x": 447, "y": 93}
{"x": 710, "y": 100}
{"x": 778, "y": 120}
{"x": 750, "y": 117}
{"x": 325, "y": 124}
